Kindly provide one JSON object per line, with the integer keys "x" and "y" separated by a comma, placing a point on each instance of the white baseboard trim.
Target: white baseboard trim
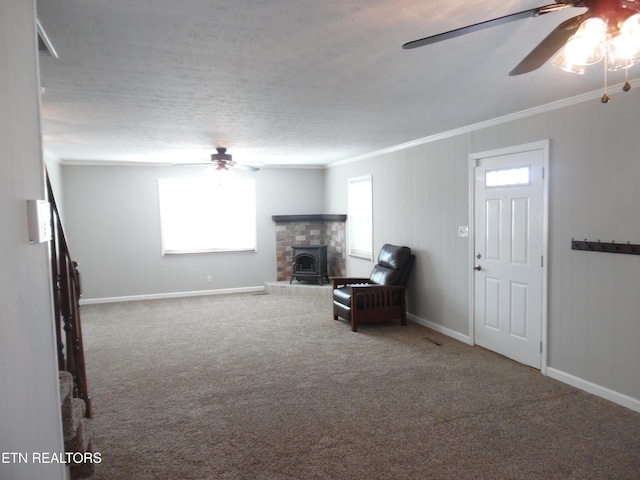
{"x": 598, "y": 390}
{"x": 440, "y": 329}
{"x": 156, "y": 296}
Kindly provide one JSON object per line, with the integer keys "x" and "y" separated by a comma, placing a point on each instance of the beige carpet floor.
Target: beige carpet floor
{"x": 252, "y": 386}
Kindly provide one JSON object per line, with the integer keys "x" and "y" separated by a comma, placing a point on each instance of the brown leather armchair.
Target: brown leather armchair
{"x": 379, "y": 298}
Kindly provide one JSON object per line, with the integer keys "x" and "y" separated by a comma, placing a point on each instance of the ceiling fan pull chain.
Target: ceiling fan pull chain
{"x": 605, "y": 97}
{"x": 627, "y": 85}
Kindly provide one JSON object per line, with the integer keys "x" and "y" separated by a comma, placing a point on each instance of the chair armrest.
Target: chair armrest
{"x": 373, "y": 287}
{"x": 344, "y": 281}
{"x": 376, "y": 296}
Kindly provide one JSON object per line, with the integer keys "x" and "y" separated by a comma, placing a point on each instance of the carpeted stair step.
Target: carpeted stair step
{"x": 73, "y": 413}
{"x": 81, "y": 471}
{"x": 65, "y": 379}
{"x": 77, "y": 429}
{"x": 81, "y": 442}
{"x": 82, "y": 439}
{"x": 81, "y": 445}
{"x": 73, "y": 409}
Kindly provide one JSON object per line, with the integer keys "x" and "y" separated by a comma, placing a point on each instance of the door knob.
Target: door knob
{"x": 477, "y": 268}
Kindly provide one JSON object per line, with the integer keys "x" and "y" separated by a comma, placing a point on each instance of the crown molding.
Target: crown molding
{"x": 585, "y": 97}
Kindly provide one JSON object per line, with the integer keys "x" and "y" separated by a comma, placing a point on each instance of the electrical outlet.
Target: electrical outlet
{"x": 208, "y": 278}
{"x": 463, "y": 231}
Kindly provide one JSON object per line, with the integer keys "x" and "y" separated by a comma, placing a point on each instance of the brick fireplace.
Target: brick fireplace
{"x": 319, "y": 229}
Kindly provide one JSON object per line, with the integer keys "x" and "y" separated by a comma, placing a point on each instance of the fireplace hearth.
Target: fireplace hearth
{"x": 309, "y": 263}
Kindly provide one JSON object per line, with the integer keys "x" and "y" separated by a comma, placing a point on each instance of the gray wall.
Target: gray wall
{"x": 113, "y": 227}
{"x": 29, "y": 396}
{"x": 419, "y": 199}
{"x": 421, "y": 196}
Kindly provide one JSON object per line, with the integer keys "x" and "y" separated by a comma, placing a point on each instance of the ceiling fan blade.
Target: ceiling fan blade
{"x": 533, "y": 12}
{"x": 221, "y": 160}
{"x": 240, "y": 166}
{"x": 190, "y": 164}
{"x": 550, "y": 45}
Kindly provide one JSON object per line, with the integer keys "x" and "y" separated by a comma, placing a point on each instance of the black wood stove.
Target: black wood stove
{"x": 309, "y": 262}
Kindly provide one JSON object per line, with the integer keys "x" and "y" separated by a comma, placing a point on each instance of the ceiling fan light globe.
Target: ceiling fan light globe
{"x": 593, "y": 27}
{"x": 584, "y": 50}
{"x": 631, "y": 26}
{"x": 623, "y": 50}
{"x": 621, "y": 56}
{"x": 561, "y": 62}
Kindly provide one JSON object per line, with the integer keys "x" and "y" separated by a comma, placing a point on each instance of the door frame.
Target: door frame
{"x": 473, "y": 158}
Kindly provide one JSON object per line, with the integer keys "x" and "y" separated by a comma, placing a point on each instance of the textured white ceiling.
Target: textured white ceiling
{"x": 304, "y": 82}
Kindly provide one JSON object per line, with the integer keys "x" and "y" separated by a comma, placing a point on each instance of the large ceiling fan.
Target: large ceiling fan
{"x": 608, "y": 26}
{"x": 223, "y": 160}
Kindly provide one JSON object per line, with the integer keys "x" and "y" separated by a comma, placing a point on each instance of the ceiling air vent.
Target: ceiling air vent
{"x": 44, "y": 44}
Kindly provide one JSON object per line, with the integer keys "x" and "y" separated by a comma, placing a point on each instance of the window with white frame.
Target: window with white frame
{"x": 199, "y": 215}
{"x": 360, "y": 214}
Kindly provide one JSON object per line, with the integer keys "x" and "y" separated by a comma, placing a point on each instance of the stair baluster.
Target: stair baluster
{"x": 66, "y": 295}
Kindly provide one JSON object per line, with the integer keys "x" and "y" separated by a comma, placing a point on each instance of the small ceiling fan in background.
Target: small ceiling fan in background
{"x": 224, "y": 161}
{"x": 609, "y": 28}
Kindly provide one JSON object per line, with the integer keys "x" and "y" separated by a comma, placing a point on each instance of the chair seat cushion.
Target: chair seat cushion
{"x": 342, "y": 295}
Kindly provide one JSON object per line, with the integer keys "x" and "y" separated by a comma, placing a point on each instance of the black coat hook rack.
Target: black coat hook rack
{"x": 608, "y": 247}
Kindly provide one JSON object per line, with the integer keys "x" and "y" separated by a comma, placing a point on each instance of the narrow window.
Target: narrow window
{"x": 507, "y": 177}
{"x": 360, "y": 213}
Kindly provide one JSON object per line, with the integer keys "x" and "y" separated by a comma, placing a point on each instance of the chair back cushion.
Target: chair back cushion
{"x": 393, "y": 265}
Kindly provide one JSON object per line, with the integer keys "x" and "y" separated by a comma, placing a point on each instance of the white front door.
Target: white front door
{"x": 509, "y": 253}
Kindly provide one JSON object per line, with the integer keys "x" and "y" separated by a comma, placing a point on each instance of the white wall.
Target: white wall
{"x": 421, "y": 196}
{"x": 29, "y": 397}
{"x": 54, "y": 171}
{"x": 112, "y": 225}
